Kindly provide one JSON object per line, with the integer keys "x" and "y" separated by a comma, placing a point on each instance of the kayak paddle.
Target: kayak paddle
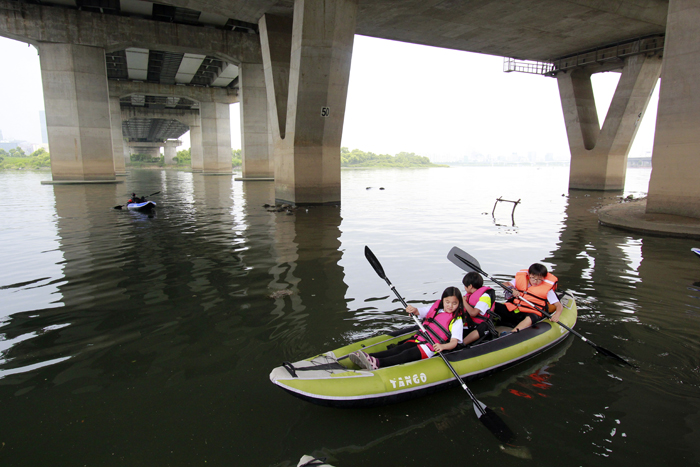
{"x": 487, "y": 416}
{"x": 464, "y": 261}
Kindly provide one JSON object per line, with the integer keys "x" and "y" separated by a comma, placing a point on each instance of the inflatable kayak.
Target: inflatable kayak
{"x": 696, "y": 251}
{"x": 331, "y": 379}
{"x": 145, "y": 206}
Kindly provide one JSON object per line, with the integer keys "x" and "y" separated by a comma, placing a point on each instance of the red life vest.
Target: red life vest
{"x": 536, "y": 294}
{"x": 438, "y": 325}
{"x": 473, "y": 299}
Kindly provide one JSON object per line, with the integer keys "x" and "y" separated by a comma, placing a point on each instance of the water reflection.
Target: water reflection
{"x": 150, "y": 340}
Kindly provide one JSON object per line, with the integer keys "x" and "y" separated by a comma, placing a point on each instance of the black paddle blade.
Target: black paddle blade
{"x": 118, "y": 207}
{"x": 464, "y": 260}
{"x": 608, "y": 353}
{"x": 152, "y": 194}
{"x": 374, "y": 262}
{"x": 493, "y": 422}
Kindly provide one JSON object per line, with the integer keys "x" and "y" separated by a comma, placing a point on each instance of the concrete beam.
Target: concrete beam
{"x": 599, "y": 155}
{"x": 195, "y": 93}
{"x": 38, "y": 23}
{"x": 674, "y": 187}
{"x": 186, "y": 117}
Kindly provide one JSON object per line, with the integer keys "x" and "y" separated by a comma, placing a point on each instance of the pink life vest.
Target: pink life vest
{"x": 473, "y": 299}
{"x": 437, "y": 325}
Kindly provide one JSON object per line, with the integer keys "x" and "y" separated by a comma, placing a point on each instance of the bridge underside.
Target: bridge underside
{"x": 289, "y": 61}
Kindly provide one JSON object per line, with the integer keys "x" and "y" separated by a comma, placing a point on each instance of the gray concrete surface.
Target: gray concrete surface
{"x": 633, "y": 216}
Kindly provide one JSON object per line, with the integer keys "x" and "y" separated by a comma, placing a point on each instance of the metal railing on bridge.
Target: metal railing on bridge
{"x": 600, "y": 56}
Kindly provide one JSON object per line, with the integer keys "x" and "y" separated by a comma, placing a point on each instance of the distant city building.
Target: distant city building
{"x": 0, "y": 135}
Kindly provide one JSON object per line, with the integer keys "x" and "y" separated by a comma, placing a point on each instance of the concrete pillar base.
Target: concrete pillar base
{"x": 599, "y": 155}
{"x": 307, "y": 132}
{"x": 76, "y": 99}
{"x": 216, "y": 138}
{"x": 674, "y": 187}
{"x": 80, "y": 182}
{"x": 254, "y": 179}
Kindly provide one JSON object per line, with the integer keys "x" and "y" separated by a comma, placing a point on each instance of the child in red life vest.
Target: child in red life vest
{"x": 537, "y": 286}
{"x": 442, "y": 321}
{"x": 479, "y": 301}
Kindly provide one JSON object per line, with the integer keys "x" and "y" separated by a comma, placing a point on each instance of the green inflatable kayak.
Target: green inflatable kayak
{"x": 331, "y": 379}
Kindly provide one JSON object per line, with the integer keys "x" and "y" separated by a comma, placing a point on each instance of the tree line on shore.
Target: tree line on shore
{"x": 17, "y": 159}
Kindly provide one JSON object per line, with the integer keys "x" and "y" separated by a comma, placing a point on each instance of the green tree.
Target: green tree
{"x": 4, "y": 153}
{"x": 236, "y": 157}
{"x": 183, "y": 157}
{"x": 17, "y": 152}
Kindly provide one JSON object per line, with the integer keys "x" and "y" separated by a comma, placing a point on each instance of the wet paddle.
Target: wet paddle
{"x": 122, "y": 205}
{"x": 464, "y": 261}
{"x": 487, "y": 416}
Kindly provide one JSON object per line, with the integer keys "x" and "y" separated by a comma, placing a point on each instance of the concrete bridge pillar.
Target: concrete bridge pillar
{"x": 170, "y": 151}
{"x": 196, "y": 147}
{"x": 117, "y": 136}
{"x": 307, "y": 102}
{"x": 76, "y": 99}
{"x": 216, "y": 138}
{"x": 599, "y": 155}
{"x": 257, "y": 162}
{"x": 674, "y": 187}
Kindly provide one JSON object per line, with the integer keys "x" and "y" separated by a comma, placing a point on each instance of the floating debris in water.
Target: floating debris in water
{"x": 281, "y": 294}
{"x": 521, "y": 452}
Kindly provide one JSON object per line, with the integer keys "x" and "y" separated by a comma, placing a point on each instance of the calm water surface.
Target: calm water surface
{"x": 146, "y": 341}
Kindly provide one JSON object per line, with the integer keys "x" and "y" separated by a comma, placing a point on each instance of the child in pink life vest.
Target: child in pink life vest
{"x": 443, "y": 321}
{"x": 479, "y": 302}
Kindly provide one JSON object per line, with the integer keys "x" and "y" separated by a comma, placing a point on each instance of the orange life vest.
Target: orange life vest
{"x": 536, "y": 294}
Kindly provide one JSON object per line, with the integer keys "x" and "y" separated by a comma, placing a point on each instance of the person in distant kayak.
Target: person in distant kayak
{"x": 443, "y": 321}
{"x": 537, "y": 286}
{"x": 136, "y": 199}
{"x": 479, "y": 302}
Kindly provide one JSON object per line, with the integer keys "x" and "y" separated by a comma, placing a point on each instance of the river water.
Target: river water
{"x": 134, "y": 340}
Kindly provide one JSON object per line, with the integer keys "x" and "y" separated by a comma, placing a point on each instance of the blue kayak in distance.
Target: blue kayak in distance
{"x": 145, "y": 206}
{"x": 696, "y": 251}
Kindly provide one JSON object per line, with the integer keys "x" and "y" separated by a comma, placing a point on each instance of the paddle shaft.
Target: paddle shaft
{"x": 543, "y": 311}
{"x": 432, "y": 342}
{"x": 380, "y": 271}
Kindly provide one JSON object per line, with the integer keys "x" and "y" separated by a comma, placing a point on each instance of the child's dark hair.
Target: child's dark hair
{"x": 460, "y": 312}
{"x": 474, "y": 279}
{"x": 537, "y": 269}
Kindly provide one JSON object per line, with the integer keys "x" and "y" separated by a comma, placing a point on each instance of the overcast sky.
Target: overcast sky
{"x": 434, "y": 102}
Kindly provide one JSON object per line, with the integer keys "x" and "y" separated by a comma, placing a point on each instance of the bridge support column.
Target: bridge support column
{"x": 255, "y": 136}
{"x": 74, "y": 80}
{"x": 674, "y": 187}
{"x": 599, "y": 156}
{"x": 216, "y": 138}
{"x": 170, "y": 151}
{"x": 196, "y": 148}
{"x": 307, "y": 132}
{"x": 117, "y": 136}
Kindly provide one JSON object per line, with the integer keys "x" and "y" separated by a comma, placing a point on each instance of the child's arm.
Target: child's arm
{"x": 470, "y": 309}
{"x": 557, "y": 312}
{"x": 449, "y": 346}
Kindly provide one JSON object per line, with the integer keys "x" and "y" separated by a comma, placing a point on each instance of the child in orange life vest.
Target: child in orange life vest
{"x": 478, "y": 302}
{"x": 536, "y": 285}
{"x": 442, "y": 321}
